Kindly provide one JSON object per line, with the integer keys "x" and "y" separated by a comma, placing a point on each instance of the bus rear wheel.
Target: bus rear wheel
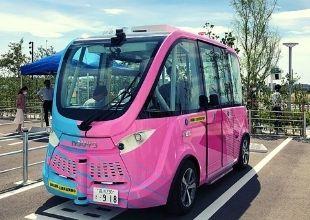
{"x": 183, "y": 191}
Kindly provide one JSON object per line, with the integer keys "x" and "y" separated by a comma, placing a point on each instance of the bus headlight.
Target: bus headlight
{"x": 53, "y": 139}
{"x": 135, "y": 140}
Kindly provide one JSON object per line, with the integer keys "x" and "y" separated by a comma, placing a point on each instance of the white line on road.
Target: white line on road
{"x": 5, "y": 134}
{"x": 18, "y": 137}
{"x": 23, "y": 189}
{"x": 220, "y": 201}
{"x": 10, "y": 139}
{"x": 35, "y": 139}
{"x": 11, "y": 123}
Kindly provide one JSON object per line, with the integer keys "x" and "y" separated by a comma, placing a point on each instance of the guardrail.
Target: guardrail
{"x": 25, "y": 135}
{"x": 34, "y": 112}
{"x": 288, "y": 123}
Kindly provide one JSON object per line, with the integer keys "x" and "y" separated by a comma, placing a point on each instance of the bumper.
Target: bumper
{"x": 139, "y": 196}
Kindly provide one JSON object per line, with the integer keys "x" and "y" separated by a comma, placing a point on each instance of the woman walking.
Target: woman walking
{"x": 21, "y": 106}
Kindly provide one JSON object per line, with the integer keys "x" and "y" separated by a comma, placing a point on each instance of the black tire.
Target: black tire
{"x": 244, "y": 155}
{"x": 182, "y": 194}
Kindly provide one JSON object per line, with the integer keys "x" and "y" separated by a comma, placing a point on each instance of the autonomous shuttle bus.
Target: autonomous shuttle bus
{"x": 142, "y": 119}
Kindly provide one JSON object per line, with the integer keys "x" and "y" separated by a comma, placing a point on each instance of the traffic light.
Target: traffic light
{"x": 31, "y": 50}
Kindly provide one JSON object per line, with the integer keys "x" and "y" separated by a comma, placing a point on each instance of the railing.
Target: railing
{"x": 24, "y": 152}
{"x": 34, "y": 112}
{"x": 288, "y": 123}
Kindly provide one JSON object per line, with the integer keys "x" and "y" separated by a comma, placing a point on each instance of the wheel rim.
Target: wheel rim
{"x": 245, "y": 152}
{"x": 188, "y": 187}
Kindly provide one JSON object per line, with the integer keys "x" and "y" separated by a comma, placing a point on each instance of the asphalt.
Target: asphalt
{"x": 281, "y": 190}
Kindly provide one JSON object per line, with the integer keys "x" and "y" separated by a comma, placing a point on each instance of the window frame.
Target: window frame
{"x": 231, "y": 104}
{"x": 144, "y": 114}
{"x": 236, "y": 57}
{"x": 219, "y": 106}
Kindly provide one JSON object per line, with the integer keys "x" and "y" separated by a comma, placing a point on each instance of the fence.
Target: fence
{"x": 288, "y": 123}
{"x": 24, "y": 152}
{"x": 32, "y": 112}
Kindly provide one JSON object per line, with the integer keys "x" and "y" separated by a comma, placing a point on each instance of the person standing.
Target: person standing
{"x": 276, "y": 100}
{"x": 21, "y": 107}
{"x": 46, "y": 96}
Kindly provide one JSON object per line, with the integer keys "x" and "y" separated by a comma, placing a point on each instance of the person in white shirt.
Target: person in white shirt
{"x": 276, "y": 100}
{"x": 46, "y": 96}
{"x": 98, "y": 100}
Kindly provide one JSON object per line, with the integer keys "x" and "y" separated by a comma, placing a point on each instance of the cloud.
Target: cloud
{"x": 113, "y": 11}
{"x": 292, "y": 16}
{"x": 292, "y": 19}
{"x": 50, "y": 24}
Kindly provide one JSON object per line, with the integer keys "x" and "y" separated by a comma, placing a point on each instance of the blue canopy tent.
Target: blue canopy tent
{"x": 45, "y": 66}
{"x": 49, "y": 66}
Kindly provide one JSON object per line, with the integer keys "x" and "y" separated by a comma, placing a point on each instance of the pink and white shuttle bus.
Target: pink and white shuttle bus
{"x": 143, "y": 119}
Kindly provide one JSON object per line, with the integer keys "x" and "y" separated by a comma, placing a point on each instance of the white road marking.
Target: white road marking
{"x": 11, "y": 123}
{"x": 34, "y": 216}
{"x": 23, "y": 189}
{"x": 35, "y": 139}
{"x": 5, "y": 134}
{"x": 9, "y": 139}
{"x": 220, "y": 201}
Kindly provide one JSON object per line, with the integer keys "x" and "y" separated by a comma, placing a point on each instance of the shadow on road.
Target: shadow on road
{"x": 207, "y": 194}
{"x": 52, "y": 202}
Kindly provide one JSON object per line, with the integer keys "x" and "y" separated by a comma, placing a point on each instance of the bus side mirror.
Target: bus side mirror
{"x": 203, "y": 102}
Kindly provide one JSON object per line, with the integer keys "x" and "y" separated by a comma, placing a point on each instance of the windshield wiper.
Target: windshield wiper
{"x": 86, "y": 124}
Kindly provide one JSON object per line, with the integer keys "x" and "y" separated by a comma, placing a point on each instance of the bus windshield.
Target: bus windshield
{"x": 95, "y": 75}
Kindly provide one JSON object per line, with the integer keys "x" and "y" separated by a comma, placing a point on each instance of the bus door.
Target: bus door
{"x": 226, "y": 100}
{"x": 214, "y": 112}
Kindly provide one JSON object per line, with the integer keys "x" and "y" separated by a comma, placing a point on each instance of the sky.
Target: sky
{"x": 57, "y": 22}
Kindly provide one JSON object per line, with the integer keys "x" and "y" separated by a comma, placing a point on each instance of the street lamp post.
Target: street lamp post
{"x": 290, "y": 74}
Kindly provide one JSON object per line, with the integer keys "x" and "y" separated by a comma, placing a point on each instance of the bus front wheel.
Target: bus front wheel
{"x": 183, "y": 191}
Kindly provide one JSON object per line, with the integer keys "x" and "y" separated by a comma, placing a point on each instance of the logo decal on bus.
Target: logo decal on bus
{"x": 84, "y": 144}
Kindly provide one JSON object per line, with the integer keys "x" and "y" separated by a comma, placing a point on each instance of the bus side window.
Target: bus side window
{"x": 180, "y": 84}
{"x": 226, "y": 92}
{"x": 210, "y": 74}
{"x": 236, "y": 79}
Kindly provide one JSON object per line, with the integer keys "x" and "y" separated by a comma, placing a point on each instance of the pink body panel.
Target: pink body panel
{"x": 215, "y": 142}
{"x": 228, "y": 139}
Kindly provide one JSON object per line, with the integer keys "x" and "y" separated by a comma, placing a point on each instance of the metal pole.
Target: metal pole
{"x": 250, "y": 122}
{"x": 25, "y": 156}
{"x": 290, "y": 74}
{"x": 290, "y": 79}
{"x": 41, "y": 117}
{"x": 304, "y": 125}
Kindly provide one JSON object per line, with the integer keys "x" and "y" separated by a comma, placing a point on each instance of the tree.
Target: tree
{"x": 13, "y": 59}
{"x": 259, "y": 43}
{"x": 228, "y": 38}
{"x": 42, "y": 52}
